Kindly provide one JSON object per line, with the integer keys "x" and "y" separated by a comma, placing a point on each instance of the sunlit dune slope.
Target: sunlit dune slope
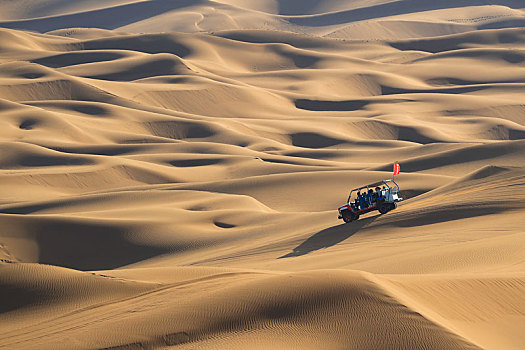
{"x": 385, "y": 19}
{"x": 170, "y": 178}
{"x": 228, "y": 308}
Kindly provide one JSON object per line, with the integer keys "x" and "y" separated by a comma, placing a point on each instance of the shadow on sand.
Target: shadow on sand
{"x": 329, "y": 237}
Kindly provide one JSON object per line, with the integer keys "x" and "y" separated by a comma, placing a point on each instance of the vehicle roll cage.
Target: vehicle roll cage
{"x": 386, "y": 183}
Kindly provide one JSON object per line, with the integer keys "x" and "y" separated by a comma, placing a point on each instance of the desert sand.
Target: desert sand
{"x": 170, "y": 173}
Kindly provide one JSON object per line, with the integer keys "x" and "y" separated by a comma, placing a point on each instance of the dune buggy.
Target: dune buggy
{"x": 382, "y": 196}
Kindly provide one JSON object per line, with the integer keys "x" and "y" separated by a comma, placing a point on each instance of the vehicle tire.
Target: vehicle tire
{"x": 356, "y": 217}
{"x": 347, "y": 216}
{"x": 393, "y": 206}
{"x": 384, "y": 208}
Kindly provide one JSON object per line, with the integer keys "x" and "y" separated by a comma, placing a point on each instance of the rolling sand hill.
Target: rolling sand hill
{"x": 170, "y": 173}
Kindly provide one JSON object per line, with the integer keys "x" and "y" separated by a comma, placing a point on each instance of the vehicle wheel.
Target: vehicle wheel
{"x": 356, "y": 217}
{"x": 393, "y": 206}
{"x": 347, "y": 216}
{"x": 384, "y": 208}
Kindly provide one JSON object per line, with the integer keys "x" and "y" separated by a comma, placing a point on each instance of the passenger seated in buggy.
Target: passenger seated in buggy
{"x": 370, "y": 197}
{"x": 361, "y": 200}
{"x": 377, "y": 194}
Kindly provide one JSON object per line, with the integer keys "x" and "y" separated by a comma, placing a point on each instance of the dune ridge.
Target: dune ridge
{"x": 170, "y": 173}
{"x": 264, "y": 304}
{"x": 332, "y": 18}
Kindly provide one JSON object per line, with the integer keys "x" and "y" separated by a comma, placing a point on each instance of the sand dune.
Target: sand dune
{"x": 170, "y": 173}
{"x": 361, "y": 19}
{"x": 253, "y": 309}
